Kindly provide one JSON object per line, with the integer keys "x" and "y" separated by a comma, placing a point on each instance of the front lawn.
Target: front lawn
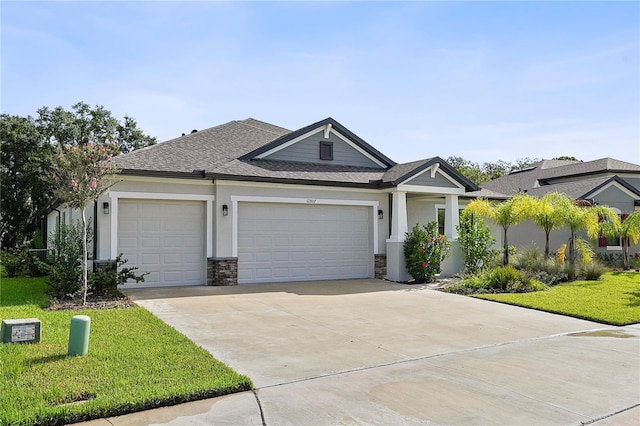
{"x": 135, "y": 362}
{"x": 613, "y": 300}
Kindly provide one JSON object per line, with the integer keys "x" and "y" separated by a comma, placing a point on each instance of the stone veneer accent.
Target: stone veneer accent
{"x": 222, "y": 271}
{"x": 380, "y": 266}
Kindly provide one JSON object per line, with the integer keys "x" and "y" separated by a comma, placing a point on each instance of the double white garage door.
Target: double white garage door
{"x": 299, "y": 242}
{"x": 276, "y": 242}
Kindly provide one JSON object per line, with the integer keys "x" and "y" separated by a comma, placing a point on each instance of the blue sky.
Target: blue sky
{"x": 483, "y": 80}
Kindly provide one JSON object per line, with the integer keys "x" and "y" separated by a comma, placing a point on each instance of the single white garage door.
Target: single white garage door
{"x": 164, "y": 238}
{"x": 299, "y": 242}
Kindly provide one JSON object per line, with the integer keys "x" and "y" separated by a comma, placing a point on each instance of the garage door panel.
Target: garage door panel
{"x": 150, "y": 259}
{"x": 304, "y": 242}
{"x": 151, "y": 242}
{"x": 164, "y": 238}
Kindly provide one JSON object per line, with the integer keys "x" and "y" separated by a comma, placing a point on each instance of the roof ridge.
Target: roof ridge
{"x": 245, "y": 122}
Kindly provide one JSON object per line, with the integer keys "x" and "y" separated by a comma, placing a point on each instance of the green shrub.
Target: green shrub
{"x": 592, "y": 271}
{"x": 64, "y": 261}
{"x": 503, "y": 279}
{"x": 500, "y": 278}
{"x": 546, "y": 270}
{"x": 20, "y": 262}
{"x": 104, "y": 281}
{"x": 476, "y": 242}
{"x": 424, "y": 250}
{"x": 611, "y": 260}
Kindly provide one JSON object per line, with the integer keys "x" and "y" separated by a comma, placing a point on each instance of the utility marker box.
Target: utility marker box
{"x": 26, "y": 330}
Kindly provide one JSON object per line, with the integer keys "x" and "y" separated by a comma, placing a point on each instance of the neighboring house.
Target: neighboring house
{"x": 250, "y": 202}
{"x": 606, "y": 181}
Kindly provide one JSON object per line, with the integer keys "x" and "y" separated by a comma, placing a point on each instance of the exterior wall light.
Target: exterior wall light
{"x": 225, "y": 210}
{"x": 105, "y": 207}
{"x": 380, "y": 214}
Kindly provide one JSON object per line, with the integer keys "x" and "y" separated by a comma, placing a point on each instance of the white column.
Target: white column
{"x": 399, "y": 217}
{"x": 452, "y": 217}
{"x": 114, "y": 226}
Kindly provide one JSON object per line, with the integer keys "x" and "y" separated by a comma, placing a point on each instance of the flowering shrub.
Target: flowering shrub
{"x": 424, "y": 249}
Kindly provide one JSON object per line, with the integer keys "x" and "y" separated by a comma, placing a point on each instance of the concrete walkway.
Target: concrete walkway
{"x": 372, "y": 352}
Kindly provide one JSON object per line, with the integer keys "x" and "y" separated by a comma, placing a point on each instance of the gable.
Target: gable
{"x": 304, "y": 146}
{"x": 307, "y": 150}
{"x": 433, "y": 179}
{"x": 615, "y": 195}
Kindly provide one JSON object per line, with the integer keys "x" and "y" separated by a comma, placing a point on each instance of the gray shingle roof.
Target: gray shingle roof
{"x": 399, "y": 170}
{"x": 602, "y": 165}
{"x": 229, "y": 151}
{"x": 542, "y": 177}
{"x": 203, "y": 150}
{"x": 270, "y": 169}
{"x": 575, "y": 189}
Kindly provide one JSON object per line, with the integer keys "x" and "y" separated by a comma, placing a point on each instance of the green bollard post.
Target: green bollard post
{"x": 79, "y": 335}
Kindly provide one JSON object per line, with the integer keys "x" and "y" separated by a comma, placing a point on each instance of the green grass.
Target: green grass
{"x": 135, "y": 362}
{"x": 613, "y": 300}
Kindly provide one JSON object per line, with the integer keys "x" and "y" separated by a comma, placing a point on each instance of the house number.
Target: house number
{"x": 311, "y": 201}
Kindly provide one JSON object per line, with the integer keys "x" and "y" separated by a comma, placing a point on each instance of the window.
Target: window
{"x": 612, "y": 243}
{"x": 326, "y": 150}
{"x": 441, "y": 217}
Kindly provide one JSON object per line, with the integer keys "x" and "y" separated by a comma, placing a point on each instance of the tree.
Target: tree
{"x": 25, "y": 156}
{"x": 81, "y": 175}
{"x": 489, "y": 170}
{"x": 505, "y": 214}
{"x": 566, "y": 157}
{"x": 84, "y": 123}
{"x": 581, "y": 215}
{"x": 627, "y": 229}
{"x": 28, "y": 146}
{"x": 548, "y": 213}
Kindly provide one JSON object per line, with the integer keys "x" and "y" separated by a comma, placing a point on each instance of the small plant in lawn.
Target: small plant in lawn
{"x": 592, "y": 271}
{"x": 424, "y": 250}
{"x": 635, "y": 261}
{"x": 104, "y": 281}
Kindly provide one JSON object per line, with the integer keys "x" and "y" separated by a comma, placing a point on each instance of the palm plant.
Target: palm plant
{"x": 505, "y": 214}
{"x": 628, "y": 230}
{"x": 548, "y": 213}
{"x": 578, "y": 216}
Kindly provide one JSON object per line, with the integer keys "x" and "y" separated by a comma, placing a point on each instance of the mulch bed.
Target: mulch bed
{"x": 93, "y": 302}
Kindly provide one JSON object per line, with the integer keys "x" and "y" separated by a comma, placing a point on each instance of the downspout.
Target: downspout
{"x": 95, "y": 230}
{"x": 57, "y": 228}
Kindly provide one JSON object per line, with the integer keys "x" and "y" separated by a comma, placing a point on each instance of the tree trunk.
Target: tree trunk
{"x": 84, "y": 256}
{"x": 505, "y": 258}
{"x": 546, "y": 244}
{"x": 572, "y": 249}
{"x": 625, "y": 254}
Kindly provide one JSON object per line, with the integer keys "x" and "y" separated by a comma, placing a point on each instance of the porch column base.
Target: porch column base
{"x": 222, "y": 271}
{"x": 380, "y": 266}
{"x": 453, "y": 264}
{"x": 396, "y": 269}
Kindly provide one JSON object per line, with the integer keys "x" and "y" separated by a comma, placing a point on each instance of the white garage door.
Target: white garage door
{"x": 164, "y": 238}
{"x": 298, "y": 242}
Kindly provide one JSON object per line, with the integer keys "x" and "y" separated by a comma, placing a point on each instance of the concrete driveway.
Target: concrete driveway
{"x": 373, "y": 352}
